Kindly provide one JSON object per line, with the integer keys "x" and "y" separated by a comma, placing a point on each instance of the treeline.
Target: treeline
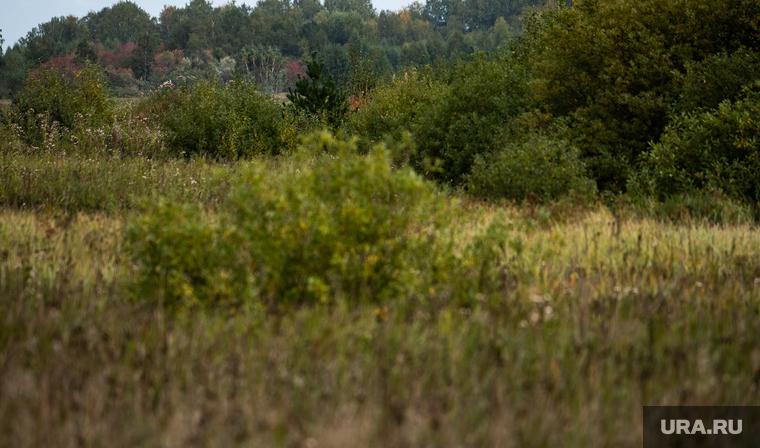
{"x": 268, "y": 42}
{"x": 652, "y": 101}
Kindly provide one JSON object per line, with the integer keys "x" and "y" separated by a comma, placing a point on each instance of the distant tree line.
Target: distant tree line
{"x": 268, "y": 43}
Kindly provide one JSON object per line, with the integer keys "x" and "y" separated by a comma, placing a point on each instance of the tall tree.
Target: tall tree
{"x": 363, "y": 7}
{"x": 53, "y": 38}
{"x": 85, "y": 52}
{"x": 120, "y": 23}
{"x": 310, "y": 8}
{"x": 2, "y": 56}
{"x": 142, "y": 55}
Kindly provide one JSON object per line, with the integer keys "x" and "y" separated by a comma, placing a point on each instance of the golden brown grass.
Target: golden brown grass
{"x": 594, "y": 321}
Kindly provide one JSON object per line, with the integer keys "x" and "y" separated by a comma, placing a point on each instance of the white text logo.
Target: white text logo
{"x": 686, "y": 427}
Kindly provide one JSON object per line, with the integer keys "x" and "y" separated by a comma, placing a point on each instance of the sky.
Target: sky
{"x": 18, "y": 17}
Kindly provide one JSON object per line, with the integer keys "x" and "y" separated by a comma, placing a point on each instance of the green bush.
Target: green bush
{"x": 183, "y": 258}
{"x": 538, "y": 164}
{"x": 709, "y": 82}
{"x": 396, "y": 106}
{"x": 614, "y": 67}
{"x": 712, "y": 151}
{"x": 454, "y": 113}
{"x": 485, "y": 94}
{"x": 230, "y": 121}
{"x": 64, "y": 95}
{"x": 327, "y": 224}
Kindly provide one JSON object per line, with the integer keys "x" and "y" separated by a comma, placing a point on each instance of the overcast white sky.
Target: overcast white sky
{"x": 18, "y": 17}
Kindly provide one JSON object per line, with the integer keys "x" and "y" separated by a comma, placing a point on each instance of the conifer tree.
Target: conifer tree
{"x": 319, "y": 95}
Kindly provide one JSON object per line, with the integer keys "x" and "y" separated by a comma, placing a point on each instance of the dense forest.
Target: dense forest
{"x": 268, "y": 42}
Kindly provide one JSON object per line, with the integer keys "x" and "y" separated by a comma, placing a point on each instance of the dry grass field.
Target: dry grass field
{"x": 579, "y": 323}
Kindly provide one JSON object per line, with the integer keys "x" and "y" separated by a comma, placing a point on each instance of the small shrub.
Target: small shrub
{"x": 539, "y": 164}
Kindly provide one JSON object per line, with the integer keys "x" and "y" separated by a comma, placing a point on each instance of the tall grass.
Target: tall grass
{"x": 82, "y": 182}
{"x": 593, "y": 319}
{"x": 118, "y": 167}
{"x": 537, "y": 325}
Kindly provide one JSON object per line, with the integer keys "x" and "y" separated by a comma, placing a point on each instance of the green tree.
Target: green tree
{"x": 483, "y": 14}
{"x": 122, "y": 23}
{"x": 363, "y": 74}
{"x": 318, "y": 93}
{"x": 310, "y": 8}
{"x": 53, "y": 38}
{"x": 337, "y": 62}
{"x": 363, "y": 7}
{"x": 485, "y": 95}
{"x": 436, "y": 46}
{"x": 142, "y": 55}
{"x": 707, "y": 151}
{"x": 414, "y": 53}
{"x": 85, "y": 52}
{"x": 613, "y": 68}
{"x": 13, "y": 72}
{"x": 191, "y": 28}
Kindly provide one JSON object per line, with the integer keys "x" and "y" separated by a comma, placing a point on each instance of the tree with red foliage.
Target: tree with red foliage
{"x": 292, "y": 70}
{"x": 64, "y": 65}
{"x": 120, "y": 57}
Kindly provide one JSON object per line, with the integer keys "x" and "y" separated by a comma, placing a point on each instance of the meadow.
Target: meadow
{"x": 523, "y": 325}
{"x": 409, "y": 267}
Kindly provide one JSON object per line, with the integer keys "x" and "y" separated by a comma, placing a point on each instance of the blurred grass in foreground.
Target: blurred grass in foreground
{"x": 594, "y": 319}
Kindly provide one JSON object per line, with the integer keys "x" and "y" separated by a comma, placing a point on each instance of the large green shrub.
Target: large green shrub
{"x": 614, "y": 66}
{"x": 719, "y": 77}
{"x": 397, "y": 105}
{"x": 228, "y": 121}
{"x": 483, "y": 96}
{"x": 326, "y": 224}
{"x": 66, "y": 94}
{"x": 339, "y": 228}
{"x": 714, "y": 150}
{"x": 539, "y": 164}
{"x": 454, "y": 112}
